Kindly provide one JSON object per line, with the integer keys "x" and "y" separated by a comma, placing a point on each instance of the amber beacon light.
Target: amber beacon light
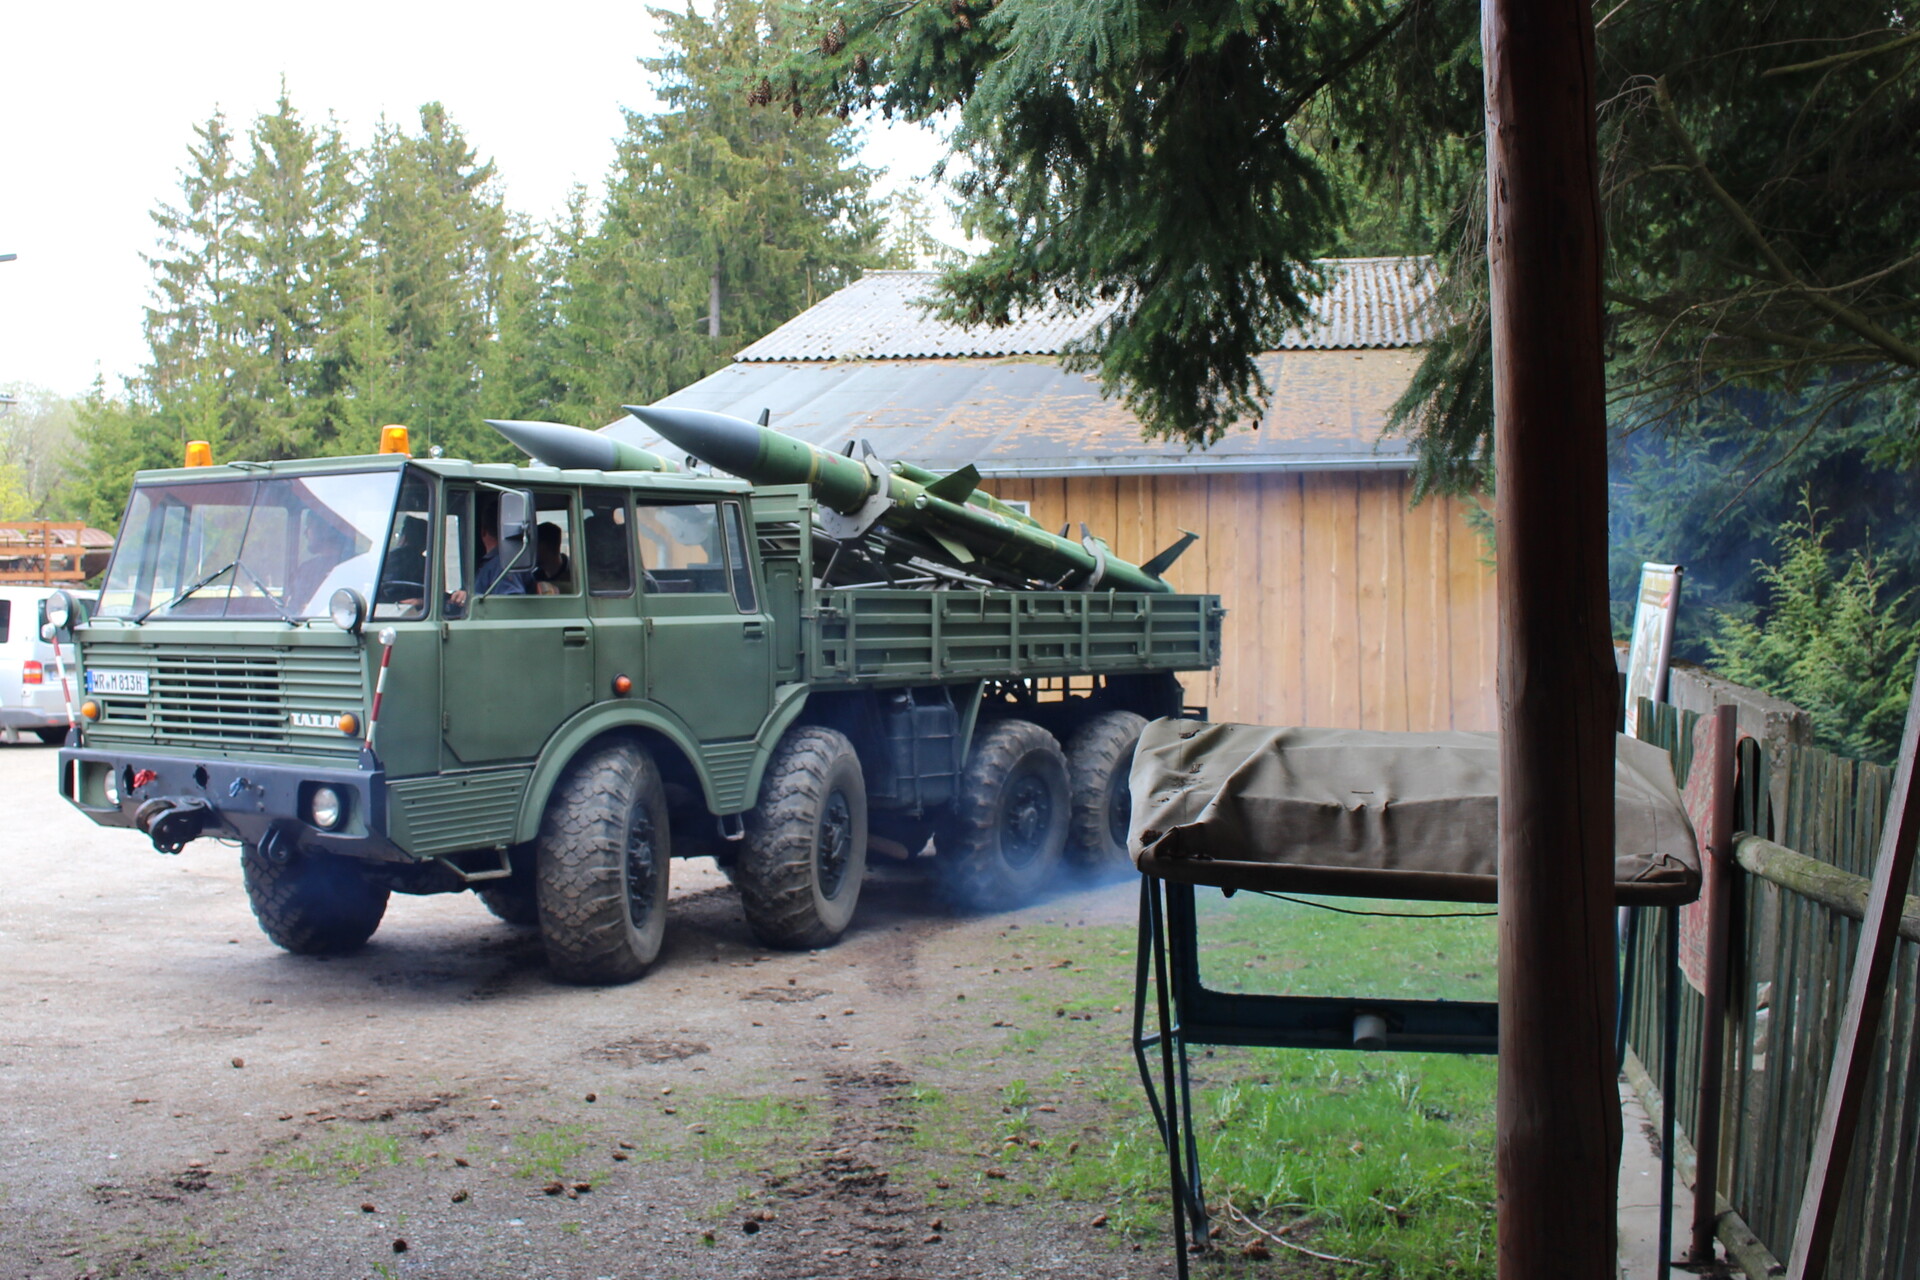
{"x": 199, "y": 453}
{"x": 393, "y": 439}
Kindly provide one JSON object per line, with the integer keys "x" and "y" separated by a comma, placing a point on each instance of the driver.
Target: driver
{"x": 491, "y": 576}
{"x": 325, "y": 549}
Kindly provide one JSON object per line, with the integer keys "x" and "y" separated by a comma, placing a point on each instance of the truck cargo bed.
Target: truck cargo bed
{"x": 865, "y": 637}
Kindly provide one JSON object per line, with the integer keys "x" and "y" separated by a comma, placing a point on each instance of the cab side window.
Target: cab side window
{"x": 554, "y": 572}
{"x": 457, "y": 552}
{"x": 680, "y": 548}
{"x": 607, "y": 539}
{"x": 740, "y": 570}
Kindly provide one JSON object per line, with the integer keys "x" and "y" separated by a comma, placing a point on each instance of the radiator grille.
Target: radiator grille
{"x": 243, "y": 697}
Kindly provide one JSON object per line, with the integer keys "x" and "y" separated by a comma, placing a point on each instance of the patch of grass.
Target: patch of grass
{"x": 1387, "y": 1157}
{"x": 180, "y": 1251}
{"x": 763, "y": 1132}
{"x": 345, "y": 1161}
{"x": 548, "y": 1154}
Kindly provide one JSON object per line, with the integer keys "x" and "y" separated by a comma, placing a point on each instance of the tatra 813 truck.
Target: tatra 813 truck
{"x": 387, "y": 674}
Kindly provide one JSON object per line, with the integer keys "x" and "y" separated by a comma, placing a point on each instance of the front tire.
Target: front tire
{"x": 312, "y": 904}
{"x": 601, "y": 866}
{"x": 1099, "y": 757}
{"x": 1009, "y": 828}
{"x": 805, "y": 852}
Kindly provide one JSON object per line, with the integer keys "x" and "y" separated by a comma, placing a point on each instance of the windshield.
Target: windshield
{"x": 267, "y": 548}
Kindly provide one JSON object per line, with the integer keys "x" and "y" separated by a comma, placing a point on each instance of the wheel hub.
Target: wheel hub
{"x": 833, "y": 849}
{"x": 1119, "y": 810}
{"x": 1025, "y": 818}
{"x": 641, "y": 856}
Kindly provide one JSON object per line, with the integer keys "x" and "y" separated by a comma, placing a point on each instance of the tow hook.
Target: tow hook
{"x": 170, "y": 823}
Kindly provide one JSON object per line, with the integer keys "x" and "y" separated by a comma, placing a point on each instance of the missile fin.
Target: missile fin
{"x": 1157, "y": 566}
{"x": 957, "y": 487}
{"x": 957, "y": 550}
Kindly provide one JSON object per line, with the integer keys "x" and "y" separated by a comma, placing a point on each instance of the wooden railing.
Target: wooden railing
{"x": 32, "y": 551}
{"x": 1810, "y": 825}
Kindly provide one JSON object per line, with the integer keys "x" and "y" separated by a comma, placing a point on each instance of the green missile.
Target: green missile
{"x": 948, "y": 513}
{"x": 559, "y": 445}
{"x": 978, "y": 498}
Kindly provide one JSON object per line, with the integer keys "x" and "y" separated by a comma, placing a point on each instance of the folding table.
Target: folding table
{"x": 1354, "y": 814}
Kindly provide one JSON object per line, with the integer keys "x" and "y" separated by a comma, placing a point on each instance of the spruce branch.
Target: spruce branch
{"x": 1841, "y": 59}
{"x": 1848, "y": 317}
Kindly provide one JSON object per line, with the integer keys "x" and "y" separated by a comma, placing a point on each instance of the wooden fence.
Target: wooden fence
{"x": 1809, "y": 825}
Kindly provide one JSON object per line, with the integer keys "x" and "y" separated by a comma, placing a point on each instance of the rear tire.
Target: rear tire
{"x": 805, "y": 852}
{"x": 52, "y": 737}
{"x": 314, "y": 905}
{"x": 1008, "y": 832}
{"x": 601, "y": 866}
{"x": 1099, "y": 758}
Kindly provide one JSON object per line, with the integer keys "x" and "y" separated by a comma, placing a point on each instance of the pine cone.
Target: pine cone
{"x": 860, "y": 64}
{"x": 761, "y": 94}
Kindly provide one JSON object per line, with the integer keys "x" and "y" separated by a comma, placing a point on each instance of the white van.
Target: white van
{"x": 30, "y": 696}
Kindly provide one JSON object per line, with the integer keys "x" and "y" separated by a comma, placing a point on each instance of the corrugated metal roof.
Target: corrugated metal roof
{"x": 1029, "y": 417}
{"x": 1368, "y": 302}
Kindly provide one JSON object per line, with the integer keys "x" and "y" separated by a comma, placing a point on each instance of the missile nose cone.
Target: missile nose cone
{"x": 557, "y": 444}
{"x": 728, "y": 443}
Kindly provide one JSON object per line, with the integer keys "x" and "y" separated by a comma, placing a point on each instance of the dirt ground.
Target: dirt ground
{"x": 179, "y": 1097}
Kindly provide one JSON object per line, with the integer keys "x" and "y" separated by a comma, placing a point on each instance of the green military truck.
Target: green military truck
{"x": 385, "y": 674}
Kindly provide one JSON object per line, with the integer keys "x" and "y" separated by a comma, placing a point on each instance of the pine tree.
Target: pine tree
{"x": 445, "y": 267}
{"x": 723, "y": 220}
{"x": 193, "y": 328}
{"x": 298, "y": 255}
{"x": 1827, "y": 641}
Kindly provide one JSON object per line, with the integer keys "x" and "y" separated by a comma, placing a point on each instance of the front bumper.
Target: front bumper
{"x": 251, "y": 801}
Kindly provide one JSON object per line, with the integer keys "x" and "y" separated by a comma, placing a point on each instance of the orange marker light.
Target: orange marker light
{"x": 622, "y": 686}
{"x": 393, "y": 439}
{"x": 350, "y": 724}
{"x": 90, "y": 709}
{"x": 199, "y": 453}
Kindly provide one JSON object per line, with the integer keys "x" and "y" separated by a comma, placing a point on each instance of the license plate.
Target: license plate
{"x": 133, "y": 683}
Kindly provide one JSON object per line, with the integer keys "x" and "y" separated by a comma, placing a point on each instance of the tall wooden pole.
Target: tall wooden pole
{"x": 1559, "y": 1108}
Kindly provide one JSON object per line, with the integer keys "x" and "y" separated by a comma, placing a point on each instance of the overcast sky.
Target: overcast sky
{"x": 98, "y": 103}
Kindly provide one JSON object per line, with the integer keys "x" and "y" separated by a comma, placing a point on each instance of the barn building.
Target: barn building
{"x": 1346, "y": 607}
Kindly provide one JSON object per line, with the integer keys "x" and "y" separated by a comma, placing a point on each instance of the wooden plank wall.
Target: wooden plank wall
{"x": 1345, "y": 607}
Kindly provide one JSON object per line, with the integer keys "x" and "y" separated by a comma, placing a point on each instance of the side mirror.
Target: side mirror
{"x": 516, "y": 519}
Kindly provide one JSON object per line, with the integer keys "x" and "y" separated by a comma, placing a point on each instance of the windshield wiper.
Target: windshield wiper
{"x": 186, "y": 592}
{"x": 267, "y": 591}
{"x": 243, "y": 567}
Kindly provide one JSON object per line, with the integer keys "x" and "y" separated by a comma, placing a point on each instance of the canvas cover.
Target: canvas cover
{"x": 1251, "y": 806}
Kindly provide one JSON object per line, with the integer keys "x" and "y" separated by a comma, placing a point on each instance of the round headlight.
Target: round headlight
{"x": 110, "y": 786}
{"x": 326, "y": 808}
{"x": 347, "y": 609}
{"x": 59, "y": 608}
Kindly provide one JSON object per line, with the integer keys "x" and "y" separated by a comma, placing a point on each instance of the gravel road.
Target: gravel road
{"x": 179, "y": 1097}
